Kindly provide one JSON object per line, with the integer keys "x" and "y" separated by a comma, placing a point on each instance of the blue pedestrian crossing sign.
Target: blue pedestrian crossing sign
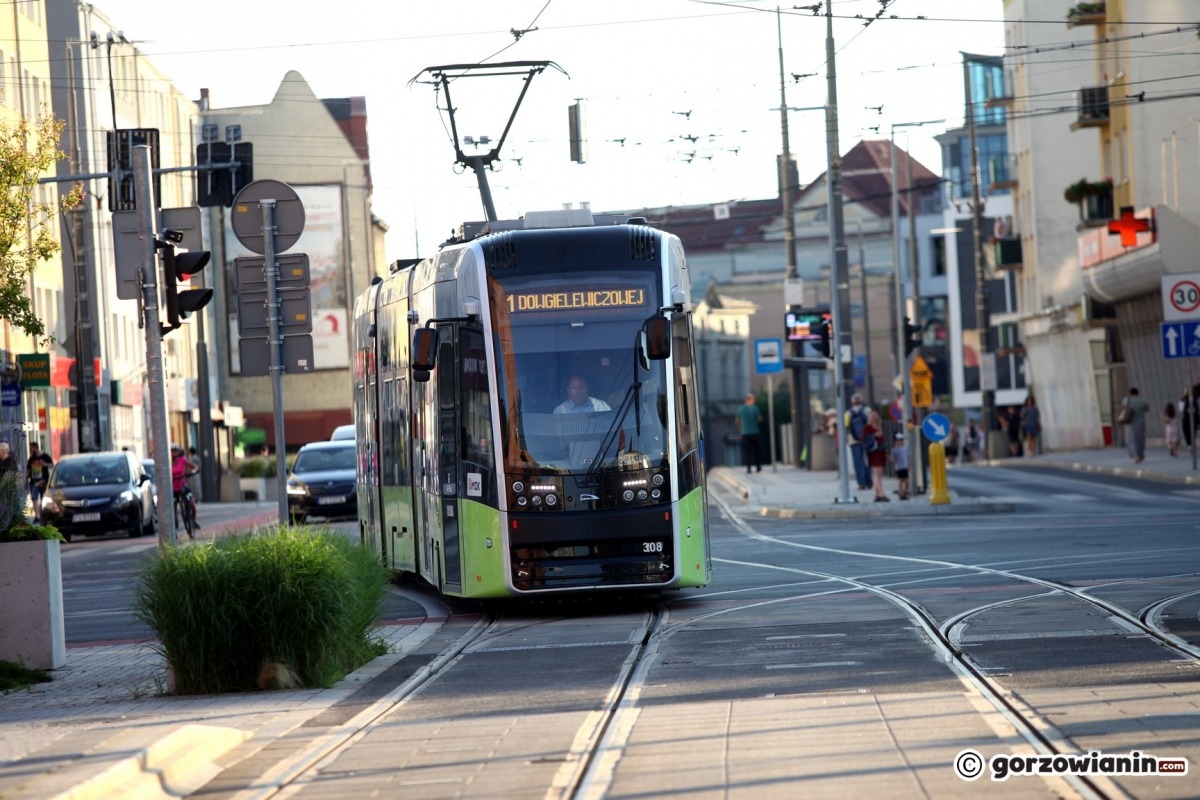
{"x": 936, "y": 427}
{"x": 768, "y": 356}
{"x": 1181, "y": 339}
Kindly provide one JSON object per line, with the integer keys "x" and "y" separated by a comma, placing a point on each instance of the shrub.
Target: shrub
{"x": 257, "y": 467}
{"x": 14, "y": 527}
{"x": 269, "y": 608}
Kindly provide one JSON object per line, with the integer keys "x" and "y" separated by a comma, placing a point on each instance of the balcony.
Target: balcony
{"x": 1093, "y": 108}
{"x": 1086, "y": 14}
{"x": 1003, "y": 254}
{"x": 1095, "y": 201}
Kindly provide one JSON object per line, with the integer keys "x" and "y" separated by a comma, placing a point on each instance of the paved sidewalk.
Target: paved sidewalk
{"x": 783, "y": 490}
{"x": 105, "y": 724}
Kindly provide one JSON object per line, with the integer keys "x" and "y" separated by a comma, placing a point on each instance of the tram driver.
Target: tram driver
{"x": 578, "y": 401}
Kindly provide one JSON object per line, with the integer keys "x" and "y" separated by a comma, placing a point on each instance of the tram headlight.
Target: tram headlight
{"x": 537, "y": 499}
{"x": 627, "y": 495}
{"x": 658, "y": 479}
{"x": 642, "y": 494}
{"x": 518, "y": 487}
{"x": 656, "y": 493}
{"x": 522, "y": 501}
{"x": 551, "y": 499}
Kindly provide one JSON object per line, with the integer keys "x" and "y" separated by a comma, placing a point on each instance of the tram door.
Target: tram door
{"x": 440, "y": 436}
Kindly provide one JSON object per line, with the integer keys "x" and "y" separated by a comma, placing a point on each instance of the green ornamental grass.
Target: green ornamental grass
{"x": 276, "y": 607}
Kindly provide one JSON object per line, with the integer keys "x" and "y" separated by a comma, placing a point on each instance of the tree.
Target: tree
{"x": 27, "y": 150}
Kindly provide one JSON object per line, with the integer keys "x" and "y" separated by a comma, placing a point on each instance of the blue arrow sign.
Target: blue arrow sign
{"x": 1180, "y": 339}
{"x": 936, "y": 427}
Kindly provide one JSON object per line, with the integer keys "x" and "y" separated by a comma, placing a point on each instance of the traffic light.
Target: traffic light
{"x": 912, "y": 337}
{"x": 824, "y": 345}
{"x": 180, "y": 265}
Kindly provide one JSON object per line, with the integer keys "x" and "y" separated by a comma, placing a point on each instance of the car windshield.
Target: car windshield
{"x": 91, "y": 472}
{"x": 324, "y": 460}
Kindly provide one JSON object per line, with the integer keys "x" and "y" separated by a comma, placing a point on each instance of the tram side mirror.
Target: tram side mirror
{"x": 657, "y": 333}
{"x": 424, "y": 352}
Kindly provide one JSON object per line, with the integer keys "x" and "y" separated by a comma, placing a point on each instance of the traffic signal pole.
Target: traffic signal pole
{"x": 144, "y": 192}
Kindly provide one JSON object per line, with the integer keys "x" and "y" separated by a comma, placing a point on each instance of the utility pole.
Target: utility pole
{"x": 143, "y": 181}
{"x": 799, "y": 418}
{"x": 839, "y": 277}
{"x": 983, "y": 323}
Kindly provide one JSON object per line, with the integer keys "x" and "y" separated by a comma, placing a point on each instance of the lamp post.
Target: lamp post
{"x": 901, "y": 333}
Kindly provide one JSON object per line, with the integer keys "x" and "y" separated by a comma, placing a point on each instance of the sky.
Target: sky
{"x": 680, "y": 98}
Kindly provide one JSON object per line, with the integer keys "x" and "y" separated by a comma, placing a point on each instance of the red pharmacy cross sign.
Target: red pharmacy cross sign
{"x": 1128, "y": 226}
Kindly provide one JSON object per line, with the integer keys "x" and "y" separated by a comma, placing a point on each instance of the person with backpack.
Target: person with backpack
{"x": 876, "y": 453}
{"x": 856, "y": 421}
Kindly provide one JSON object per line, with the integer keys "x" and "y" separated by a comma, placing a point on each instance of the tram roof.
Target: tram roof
{"x": 542, "y": 220}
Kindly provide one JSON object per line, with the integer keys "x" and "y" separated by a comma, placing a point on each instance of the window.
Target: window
{"x": 937, "y": 246}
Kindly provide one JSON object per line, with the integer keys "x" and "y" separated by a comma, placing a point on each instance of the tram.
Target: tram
{"x": 478, "y": 469}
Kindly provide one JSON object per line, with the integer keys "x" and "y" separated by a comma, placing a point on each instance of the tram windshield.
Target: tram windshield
{"x": 577, "y": 393}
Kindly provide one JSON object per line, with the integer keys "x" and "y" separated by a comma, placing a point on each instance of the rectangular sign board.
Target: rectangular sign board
{"x": 768, "y": 356}
{"x": 1180, "y": 339}
{"x": 255, "y": 355}
{"x": 293, "y": 271}
{"x": 803, "y": 324}
{"x": 295, "y": 312}
{"x": 1181, "y": 296}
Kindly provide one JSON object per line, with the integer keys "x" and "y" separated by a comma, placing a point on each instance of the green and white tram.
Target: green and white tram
{"x": 471, "y": 475}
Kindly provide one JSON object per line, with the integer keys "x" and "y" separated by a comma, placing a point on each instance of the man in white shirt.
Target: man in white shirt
{"x": 577, "y": 401}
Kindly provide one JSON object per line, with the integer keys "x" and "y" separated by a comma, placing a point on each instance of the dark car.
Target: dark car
{"x": 321, "y": 482}
{"x": 90, "y": 494}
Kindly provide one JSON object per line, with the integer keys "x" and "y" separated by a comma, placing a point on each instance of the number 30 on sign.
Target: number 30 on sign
{"x": 1181, "y": 296}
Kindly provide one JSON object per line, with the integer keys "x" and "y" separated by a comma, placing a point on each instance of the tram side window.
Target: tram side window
{"x": 687, "y": 424}
{"x": 478, "y": 447}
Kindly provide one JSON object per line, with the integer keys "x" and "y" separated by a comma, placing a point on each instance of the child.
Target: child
{"x": 899, "y": 456}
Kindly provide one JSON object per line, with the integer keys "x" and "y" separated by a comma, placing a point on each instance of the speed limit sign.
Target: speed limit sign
{"x": 1181, "y": 296}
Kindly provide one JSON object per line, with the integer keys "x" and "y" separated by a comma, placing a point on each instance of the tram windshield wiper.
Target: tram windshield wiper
{"x": 632, "y": 398}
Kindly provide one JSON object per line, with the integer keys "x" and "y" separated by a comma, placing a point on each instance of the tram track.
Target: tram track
{"x": 942, "y": 635}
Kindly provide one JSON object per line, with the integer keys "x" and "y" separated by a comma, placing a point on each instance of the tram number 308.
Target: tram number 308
{"x": 652, "y": 547}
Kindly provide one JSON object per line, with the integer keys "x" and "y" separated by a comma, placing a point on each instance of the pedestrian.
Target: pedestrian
{"x": 856, "y": 420}
{"x": 1012, "y": 425}
{"x": 876, "y": 453}
{"x": 193, "y": 473}
{"x": 748, "y": 419}
{"x": 1187, "y": 415}
{"x": 7, "y": 462}
{"x": 899, "y": 456}
{"x": 1170, "y": 420}
{"x": 1135, "y": 429}
{"x": 972, "y": 440}
{"x": 37, "y": 471}
{"x": 1031, "y": 425}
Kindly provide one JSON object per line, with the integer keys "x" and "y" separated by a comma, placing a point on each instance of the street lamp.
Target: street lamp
{"x": 901, "y": 333}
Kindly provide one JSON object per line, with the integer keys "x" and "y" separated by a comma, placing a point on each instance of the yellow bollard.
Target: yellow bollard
{"x": 938, "y": 495}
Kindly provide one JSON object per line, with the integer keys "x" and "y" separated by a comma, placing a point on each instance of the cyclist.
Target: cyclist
{"x": 179, "y": 476}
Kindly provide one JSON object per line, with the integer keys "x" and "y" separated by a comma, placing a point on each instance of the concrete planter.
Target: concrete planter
{"x": 32, "y": 629}
{"x": 259, "y": 488}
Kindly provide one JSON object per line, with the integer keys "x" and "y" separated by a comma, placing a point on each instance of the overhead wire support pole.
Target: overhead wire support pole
{"x": 143, "y": 186}
{"x": 987, "y": 397}
{"x": 442, "y": 76}
{"x": 798, "y": 374}
{"x": 839, "y": 272}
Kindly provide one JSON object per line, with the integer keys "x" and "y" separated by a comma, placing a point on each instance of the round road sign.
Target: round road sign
{"x": 247, "y": 216}
{"x": 1185, "y": 297}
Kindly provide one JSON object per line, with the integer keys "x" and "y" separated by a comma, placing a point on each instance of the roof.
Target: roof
{"x": 866, "y": 179}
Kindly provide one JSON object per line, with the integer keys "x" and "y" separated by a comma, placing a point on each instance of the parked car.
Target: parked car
{"x": 90, "y": 494}
{"x": 342, "y": 432}
{"x": 322, "y": 481}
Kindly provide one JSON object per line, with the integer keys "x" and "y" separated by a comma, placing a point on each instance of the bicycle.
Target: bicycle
{"x": 185, "y": 508}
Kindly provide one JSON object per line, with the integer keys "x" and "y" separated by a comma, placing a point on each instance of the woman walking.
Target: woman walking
{"x": 1135, "y": 430}
{"x": 1031, "y": 426}
{"x": 1170, "y": 420}
{"x": 876, "y": 452}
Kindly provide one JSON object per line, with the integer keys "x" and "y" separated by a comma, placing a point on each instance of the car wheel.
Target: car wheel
{"x": 66, "y": 535}
{"x": 136, "y": 530}
{"x": 151, "y": 526}
{"x": 298, "y": 519}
